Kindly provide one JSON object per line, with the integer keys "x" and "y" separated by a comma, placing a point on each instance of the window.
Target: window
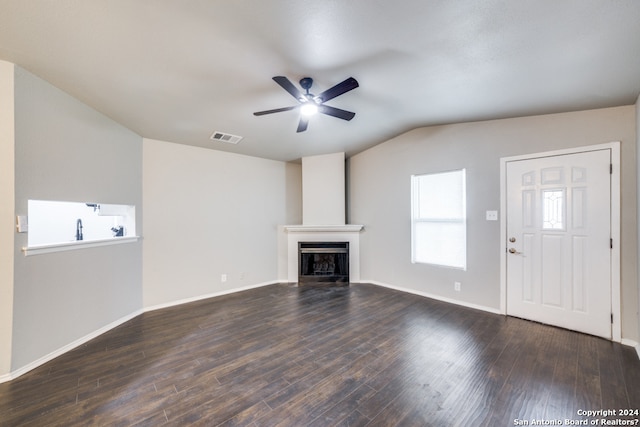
{"x": 438, "y": 219}
{"x": 56, "y": 222}
{"x": 553, "y": 209}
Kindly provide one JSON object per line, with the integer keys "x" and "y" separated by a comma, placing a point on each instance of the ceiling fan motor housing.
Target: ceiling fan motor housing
{"x": 306, "y": 83}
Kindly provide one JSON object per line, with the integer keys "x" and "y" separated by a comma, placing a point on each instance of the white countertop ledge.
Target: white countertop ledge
{"x": 75, "y": 245}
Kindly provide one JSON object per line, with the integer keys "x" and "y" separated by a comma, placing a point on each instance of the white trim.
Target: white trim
{"x": 23, "y": 370}
{"x": 623, "y": 341}
{"x": 81, "y": 244}
{"x": 347, "y": 228}
{"x": 616, "y": 304}
{"x": 41, "y": 361}
{"x": 435, "y": 297}
{"x": 631, "y": 343}
{"x": 64, "y": 349}
{"x": 206, "y": 296}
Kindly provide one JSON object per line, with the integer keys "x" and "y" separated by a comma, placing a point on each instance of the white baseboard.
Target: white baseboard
{"x": 41, "y": 361}
{"x": 624, "y": 341}
{"x": 436, "y": 297}
{"x": 211, "y": 295}
{"x": 631, "y": 343}
{"x": 44, "y": 359}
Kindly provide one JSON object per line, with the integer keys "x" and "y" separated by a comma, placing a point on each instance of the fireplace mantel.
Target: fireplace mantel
{"x": 347, "y": 228}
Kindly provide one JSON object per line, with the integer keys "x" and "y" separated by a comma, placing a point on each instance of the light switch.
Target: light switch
{"x": 492, "y": 215}
{"x": 21, "y": 224}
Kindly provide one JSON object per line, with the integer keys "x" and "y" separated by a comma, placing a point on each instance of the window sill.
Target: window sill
{"x": 82, "y": 244}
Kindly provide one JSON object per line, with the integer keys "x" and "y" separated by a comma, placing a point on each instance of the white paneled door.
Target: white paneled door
{"x": 558, "y": 240}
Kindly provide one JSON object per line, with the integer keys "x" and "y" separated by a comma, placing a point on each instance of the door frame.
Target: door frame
{"x": 616, "y": 326}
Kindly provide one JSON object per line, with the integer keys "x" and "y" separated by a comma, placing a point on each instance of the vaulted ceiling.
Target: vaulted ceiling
{"x": 180, "y": 70}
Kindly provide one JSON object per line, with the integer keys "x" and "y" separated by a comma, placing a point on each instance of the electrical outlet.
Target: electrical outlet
{"x": 242, "y": 275}
{"x": 492, "y": 215}
{"x": 456, "y": 286}
{"x": 223, "y": 278}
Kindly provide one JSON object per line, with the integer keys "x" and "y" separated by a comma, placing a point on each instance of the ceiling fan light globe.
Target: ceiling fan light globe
{"x": 309, "y": 109}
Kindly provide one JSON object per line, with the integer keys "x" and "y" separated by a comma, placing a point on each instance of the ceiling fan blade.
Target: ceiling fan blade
{"x": 277, "y": 110}
{"x": 336, "y": 112}
{"x": 339, "y": 89}
{"x": 302, "y": 125}
{"x": 286, "y": 84}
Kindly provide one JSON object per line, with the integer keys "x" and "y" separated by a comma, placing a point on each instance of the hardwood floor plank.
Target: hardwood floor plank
{"x": 525, "y": 392}
{"x": 228, "y": 404}
{"x": 588, "y": 392}
{"x": 343, "y": 409}
{"x": 354, "y": 419}
{"x": 247, "y": 416}
{"x": 360, "y": 355}
{"x": 562, "y": 388}
{"x": 609, "y": 366}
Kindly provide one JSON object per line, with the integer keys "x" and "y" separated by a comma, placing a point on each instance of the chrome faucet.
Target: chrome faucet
{"x": 79, "y": 229}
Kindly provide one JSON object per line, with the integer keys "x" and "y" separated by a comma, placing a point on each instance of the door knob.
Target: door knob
{"x": 512, "y": 239}
{"x": 513, "y": 251}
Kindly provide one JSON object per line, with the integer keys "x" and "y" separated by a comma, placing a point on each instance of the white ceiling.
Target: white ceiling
{"x": 179, "y": 70}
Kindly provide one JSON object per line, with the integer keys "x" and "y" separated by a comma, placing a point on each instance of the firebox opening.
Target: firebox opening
{"x": 323, "y": 262}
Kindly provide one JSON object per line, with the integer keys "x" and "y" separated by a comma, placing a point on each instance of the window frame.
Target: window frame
{"x": 416, "y": 218}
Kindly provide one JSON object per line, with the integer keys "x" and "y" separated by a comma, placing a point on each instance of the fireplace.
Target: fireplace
{"x": 323, "y": 262}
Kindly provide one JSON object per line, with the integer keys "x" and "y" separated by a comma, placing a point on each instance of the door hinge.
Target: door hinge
{"x": 610, "y": 168}
{"x": 610, "y": 243}
{"x": 612, "y": 318}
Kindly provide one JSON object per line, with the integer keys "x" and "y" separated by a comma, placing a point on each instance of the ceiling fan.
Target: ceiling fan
{"x": 309, "y": 103}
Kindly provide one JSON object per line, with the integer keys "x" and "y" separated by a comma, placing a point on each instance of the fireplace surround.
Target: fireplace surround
{"x": 294, "y": 234}
{"x": 323, "y": 263}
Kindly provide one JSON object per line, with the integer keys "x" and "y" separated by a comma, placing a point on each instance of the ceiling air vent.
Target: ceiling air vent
{"x": 226, "y": 137}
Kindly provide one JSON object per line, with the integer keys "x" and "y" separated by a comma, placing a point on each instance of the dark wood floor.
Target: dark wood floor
{"x": 332, "y": 356}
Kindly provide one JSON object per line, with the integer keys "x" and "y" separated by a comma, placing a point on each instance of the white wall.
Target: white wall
{"x": 323, "y": 201}
{"x": 208, "y": 213}
{"x": 7, "y": 219}
{"x": 380, "y": 198}
{"x": 64, "y": 150}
